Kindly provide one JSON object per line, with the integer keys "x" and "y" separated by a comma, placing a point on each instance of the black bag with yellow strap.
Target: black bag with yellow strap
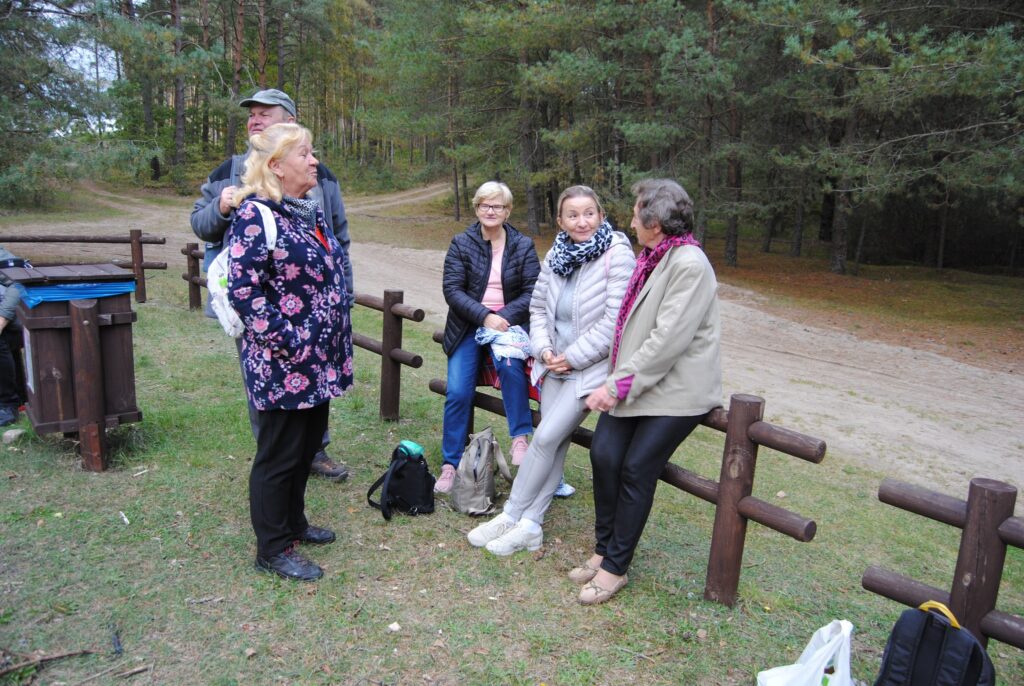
{"x": 928, "y": 647}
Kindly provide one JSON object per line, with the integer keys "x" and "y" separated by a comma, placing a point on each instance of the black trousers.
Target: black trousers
{"x": 288, "y": 440}
{"x": 12, "y": 369}
{"x": 628, "y": 455}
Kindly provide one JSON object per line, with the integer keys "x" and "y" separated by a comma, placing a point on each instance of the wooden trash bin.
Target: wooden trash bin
{"x": 79, "y": 363}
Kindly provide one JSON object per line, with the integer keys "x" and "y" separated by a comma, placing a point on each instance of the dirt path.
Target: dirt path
{"x": 908, "y": 413}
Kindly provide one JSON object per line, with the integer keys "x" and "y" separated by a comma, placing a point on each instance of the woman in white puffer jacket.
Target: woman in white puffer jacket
{"x": 572, "y": 321}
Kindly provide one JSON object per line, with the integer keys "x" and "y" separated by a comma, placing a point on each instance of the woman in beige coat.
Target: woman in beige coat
{"x": 666, "y": 376}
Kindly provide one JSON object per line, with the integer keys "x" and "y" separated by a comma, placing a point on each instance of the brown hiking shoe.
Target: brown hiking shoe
{"x": 327, "y": 468}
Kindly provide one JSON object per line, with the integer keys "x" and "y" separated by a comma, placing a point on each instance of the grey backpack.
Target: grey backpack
{"x": 474, "y": 489}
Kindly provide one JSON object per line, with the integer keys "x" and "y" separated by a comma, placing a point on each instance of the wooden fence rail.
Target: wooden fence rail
{"x": 135, "y": 237}
{"x": 988, "y": 525}
{"x": 389, "y": 347}
{"x": 731, "y": 494}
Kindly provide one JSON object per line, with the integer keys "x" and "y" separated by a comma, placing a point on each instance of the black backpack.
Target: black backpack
{"x": 407, "y": 486}
{"x": 927, "y": 647}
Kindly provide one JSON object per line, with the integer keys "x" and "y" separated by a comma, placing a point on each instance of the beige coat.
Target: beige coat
{"x": 670, "y": 342}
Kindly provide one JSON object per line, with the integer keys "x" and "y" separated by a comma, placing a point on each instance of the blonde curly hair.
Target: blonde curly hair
{"x": 273, "y": 143}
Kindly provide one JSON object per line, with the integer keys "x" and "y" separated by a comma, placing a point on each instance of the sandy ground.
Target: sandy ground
{"x": 908, "y": 413}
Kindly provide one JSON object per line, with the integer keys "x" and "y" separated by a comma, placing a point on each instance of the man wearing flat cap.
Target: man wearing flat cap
{"x": 212, "y": 215}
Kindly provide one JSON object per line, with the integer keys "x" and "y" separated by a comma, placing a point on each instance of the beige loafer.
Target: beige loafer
{"x": 582, "y": 574}
{"x": 592, "y": 594}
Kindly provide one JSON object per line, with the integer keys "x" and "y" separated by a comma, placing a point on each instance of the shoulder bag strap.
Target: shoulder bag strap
{"x": 269, "y": 224}
{"x": 499, "y": 457}
{"x": 383, "y": 482}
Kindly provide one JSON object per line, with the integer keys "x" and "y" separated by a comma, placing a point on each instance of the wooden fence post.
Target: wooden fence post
{"x": 736, "y": 482}
{"x": 195, "y": 296}
{"x": 979, "y": 565}
{"x": 390, "y": 369}
{"x": 87, "y": 361}
{"x": 140, "y": 272}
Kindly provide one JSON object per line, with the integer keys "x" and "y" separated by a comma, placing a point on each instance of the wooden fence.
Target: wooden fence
{"x": 389, "y": 347}
{"x": 988, "y": 525}
{"x": 135, "y": 237}
{"x": 731, "y": 494}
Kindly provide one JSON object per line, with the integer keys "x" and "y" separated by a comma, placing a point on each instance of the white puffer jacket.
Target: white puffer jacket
{"x": 600, "y": 285}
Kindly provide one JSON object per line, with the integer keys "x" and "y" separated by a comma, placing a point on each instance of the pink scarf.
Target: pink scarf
{"x": 646, "y": 261}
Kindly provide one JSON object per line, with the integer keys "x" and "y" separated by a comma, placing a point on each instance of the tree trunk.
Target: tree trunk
{"x": 771, "y": 227}
{"x": 618, "y": 144}
{"x": 940, "y": 254}
{"x": 1018, "y": 238}
{"x": 796, "y": 245}
{"x": 280, "y": 54}
{"x": 734, "y": 179}
{"x": 179, "y": 90}
{"x": 466, "y": 200}
{"x": 455, "y": 190}
{"x": 707, "y": 142}
{"x": 650, "y": 107}
{"x": 828, "y": 212}
{"x": 859, "y": 252}
{"x": 840, "y": 224}
{"x": 526, "y": 150}
{"x": 237, "y": 37}
{"x": 263, "y": 47}
{"x": 457, "y": 206}
{"x": 841, "y": 221}
{"x": 204, "y": 97}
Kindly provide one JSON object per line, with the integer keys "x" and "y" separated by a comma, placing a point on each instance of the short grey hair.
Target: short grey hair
{"x": 493, "y": 189}
{"x": 666, "y": 203}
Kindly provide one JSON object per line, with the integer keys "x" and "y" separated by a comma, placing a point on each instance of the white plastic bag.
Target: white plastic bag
{"x": 829, "y": 646}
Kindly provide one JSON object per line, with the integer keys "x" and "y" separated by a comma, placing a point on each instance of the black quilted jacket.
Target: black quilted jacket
{"x": 466, "y": 268}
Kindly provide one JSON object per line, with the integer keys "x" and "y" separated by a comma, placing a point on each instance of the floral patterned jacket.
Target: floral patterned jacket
{"x": 297, "y": 345}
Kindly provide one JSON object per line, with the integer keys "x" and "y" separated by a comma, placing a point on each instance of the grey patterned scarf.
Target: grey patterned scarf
{"x": 567, "y": 256}
{"x": 302, "y": 207}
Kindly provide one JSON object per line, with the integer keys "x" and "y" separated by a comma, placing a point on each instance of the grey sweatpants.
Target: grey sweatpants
{"x": 560, "y": 413}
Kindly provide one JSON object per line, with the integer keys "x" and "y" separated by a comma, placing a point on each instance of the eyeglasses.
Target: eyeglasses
{"x": 485, "y": 208}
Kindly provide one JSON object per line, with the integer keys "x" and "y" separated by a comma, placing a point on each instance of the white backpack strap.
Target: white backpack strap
{"x": 269, "y": 224}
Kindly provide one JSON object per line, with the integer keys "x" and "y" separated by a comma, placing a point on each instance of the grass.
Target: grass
{"x": 177, "y": 587}
{"x": 175, "y": 584}
{"x": 72, "y": 204}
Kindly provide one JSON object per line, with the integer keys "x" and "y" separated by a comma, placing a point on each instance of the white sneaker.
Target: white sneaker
{"x": 564, "y": 490}
{"x": 515, "y": 539}
{"x": 488, "y": 531}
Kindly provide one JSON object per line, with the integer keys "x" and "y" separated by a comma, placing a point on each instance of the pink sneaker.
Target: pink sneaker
{"x": 446, "y": 480}
{"x": 519, "y": 447}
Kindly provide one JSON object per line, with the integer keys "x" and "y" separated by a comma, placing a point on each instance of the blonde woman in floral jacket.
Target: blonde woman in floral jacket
{"x": 297, "y": 345}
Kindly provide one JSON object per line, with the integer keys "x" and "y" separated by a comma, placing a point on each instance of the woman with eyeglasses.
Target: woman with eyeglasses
{"x": 489, "y": 273}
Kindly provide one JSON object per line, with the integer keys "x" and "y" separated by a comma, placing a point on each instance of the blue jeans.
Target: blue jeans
{"x": 463, "y": 368}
